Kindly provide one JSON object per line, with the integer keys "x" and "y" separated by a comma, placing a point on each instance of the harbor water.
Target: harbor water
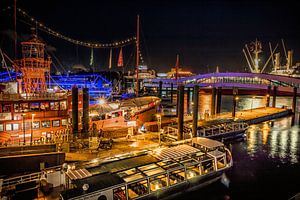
{"x": 266, "y": 163}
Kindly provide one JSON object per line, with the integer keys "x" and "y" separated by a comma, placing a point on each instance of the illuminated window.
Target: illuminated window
{"x": 8, "y": 127}
{"x": 64, "y": 122}
{"x": 34, "y": 106}
{"x": 55, "y": 123}
{"x": 44, "y": 106}
{"x": 36, "y": 125}
{"x": 54, "y": 105}
{"x": 46, "y": 124}
{"x": 63, "y": 105}
{"x": 1, "y": 127}
{"x": 16, "y": 127}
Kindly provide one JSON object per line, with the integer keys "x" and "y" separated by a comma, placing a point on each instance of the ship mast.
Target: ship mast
{"x": 137, "y": 54}
{"x": 15, "y": 28}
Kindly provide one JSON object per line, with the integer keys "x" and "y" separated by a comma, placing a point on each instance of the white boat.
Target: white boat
{"x": 161, "y": 173}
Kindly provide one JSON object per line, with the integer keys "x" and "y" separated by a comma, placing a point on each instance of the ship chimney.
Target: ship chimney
{"x": 277, "y": 61}
{"x": 289, "y": 59}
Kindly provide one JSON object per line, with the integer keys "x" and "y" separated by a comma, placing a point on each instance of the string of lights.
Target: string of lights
{"x": 50, "y": 31}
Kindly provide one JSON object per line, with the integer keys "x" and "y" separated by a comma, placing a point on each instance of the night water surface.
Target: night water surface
{"x": 266, "y": 164}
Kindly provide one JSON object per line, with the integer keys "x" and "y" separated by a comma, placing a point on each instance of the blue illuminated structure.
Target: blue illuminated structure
{"x": 97, "y": 84}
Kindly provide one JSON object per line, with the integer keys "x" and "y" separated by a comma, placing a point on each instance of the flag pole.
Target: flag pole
{"x": 137, "y": 54}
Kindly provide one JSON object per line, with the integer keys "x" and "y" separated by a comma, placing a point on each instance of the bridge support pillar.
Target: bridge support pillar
{"x": 234, "y": 101}
{"x": 75, "y": 111}
{"x": 213, "y": 102}
{"x": 294, "y": 100}
{"x": 219, "y": 100}
{"x": 180, "y": 110}
{"x": 85, "y": 112}
{"x": 171, "y": 92}
{"x": 268, "y": 96}
{"x": 160, "y": 89}
{"x": 188, "y": 99}
{"x": 274, "y": 96}
{"x": 195, "y": 109}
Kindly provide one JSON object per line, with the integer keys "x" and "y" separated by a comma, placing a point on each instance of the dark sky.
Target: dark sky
{"x": 206, "y": 34}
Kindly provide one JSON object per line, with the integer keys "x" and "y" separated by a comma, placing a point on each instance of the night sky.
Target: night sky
{"x": 206, "y": 34}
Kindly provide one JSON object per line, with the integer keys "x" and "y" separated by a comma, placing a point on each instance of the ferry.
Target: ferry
{"x": 162, "y": 173}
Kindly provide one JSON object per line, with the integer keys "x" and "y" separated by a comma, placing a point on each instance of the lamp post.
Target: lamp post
{"x": 235, "y": 99}
{"x": 252, "y": 103}
{"x": 23, "y": 117}
{"x": 159, "y": 126}
{"x": 31, "y": 131}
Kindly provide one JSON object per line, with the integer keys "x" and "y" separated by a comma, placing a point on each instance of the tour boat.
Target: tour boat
{"x": 162, "y": 173}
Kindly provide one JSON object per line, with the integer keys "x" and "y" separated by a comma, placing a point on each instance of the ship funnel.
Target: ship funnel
{"x": 277, "y": 61}
{"x": 289, "y": 59}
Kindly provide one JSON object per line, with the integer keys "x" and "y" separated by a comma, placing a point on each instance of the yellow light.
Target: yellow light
{"x": 101, "y": 101}
{"x": 237, "y": 98}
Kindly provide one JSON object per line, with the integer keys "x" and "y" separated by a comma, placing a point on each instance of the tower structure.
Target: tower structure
{"x": 34, "y": 67}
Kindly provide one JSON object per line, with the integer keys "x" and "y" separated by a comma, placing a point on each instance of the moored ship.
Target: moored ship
{"x": 162, "y": 173}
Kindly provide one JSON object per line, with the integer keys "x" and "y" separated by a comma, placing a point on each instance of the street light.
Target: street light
{"x": 31, "y": 132}
{"x": 23, "y": 116}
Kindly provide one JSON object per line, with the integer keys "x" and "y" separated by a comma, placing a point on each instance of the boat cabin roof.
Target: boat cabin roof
{"x": 95, "y": 183}
{"x": 174, "y": 152}
{"x": 208, "y": 143}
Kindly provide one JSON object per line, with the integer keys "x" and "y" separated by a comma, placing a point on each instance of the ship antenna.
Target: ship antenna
{"x": 283, "y": 45}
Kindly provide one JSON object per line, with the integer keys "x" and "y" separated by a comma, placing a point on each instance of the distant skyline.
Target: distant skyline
{"x": 205, "y": 34}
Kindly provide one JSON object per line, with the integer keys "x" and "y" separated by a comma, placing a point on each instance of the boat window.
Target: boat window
{"x": 207, "y": 166}
{"x": 8, "y": 127}
{"x": 127, "y": 172}
{"x": 158, "y": 182}
{"x": 6, "y": 108}
{"x": 138, "y": 189}
{"x": 46, "y": 124}
{"x": 17, "y": 107}
{"x": 34, "y": 106}
{"x": 192, "y": 171}
{"x": 147, "y": 167}
{"x": 55, "y": 123}
{"x": 154, "y": 171}
{"x": 63, "y": 105}
{"x": 133, "y": 177}
{"x": 44, "y": 106}
{"x": 119, "y": 193}
{"x": 176, "y": 176}
{"x": 24, "y": 107}
{"x": 221, "y": 162}
{"x": 54, "y": 106}
{"x": 16, "y": 127}
{"x": 36, "y": 125}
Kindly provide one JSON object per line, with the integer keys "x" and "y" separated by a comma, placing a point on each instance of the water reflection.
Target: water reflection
{"x": 280, "y": 141}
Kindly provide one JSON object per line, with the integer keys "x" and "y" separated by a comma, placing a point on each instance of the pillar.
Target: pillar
{"x": 188, "y": 103}
{"x": 180, "y": 111}
{"x": 219, "y": 100}
{"x": 85, "y": 112}
{"x": 234, "y": 100}
{"x": 195, "y": 109}
{"x": 75, "y": 110}
{"x": 294, "y": 100}
{"x": 274, "y": 96}
{"x": 268, "y": 96}
{"x": 172, "y": 85}
{"x": 213, "y": 101}
{"x": 160, "y": 89}
{"x": 177, "y": 101}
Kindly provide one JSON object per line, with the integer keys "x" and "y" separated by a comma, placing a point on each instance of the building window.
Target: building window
{"x": 16, "y": 127}
{"x": 8, "y": 127}
{"x": 1, "y": 127}
{"x": 6, "y": 108}
{"x": 24, "y": 107}
{"x": 46, "y": 124}
{"x": 17, "y": 107}
{"x": 55, "y": 123}
{"x": 36, "y": 125}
